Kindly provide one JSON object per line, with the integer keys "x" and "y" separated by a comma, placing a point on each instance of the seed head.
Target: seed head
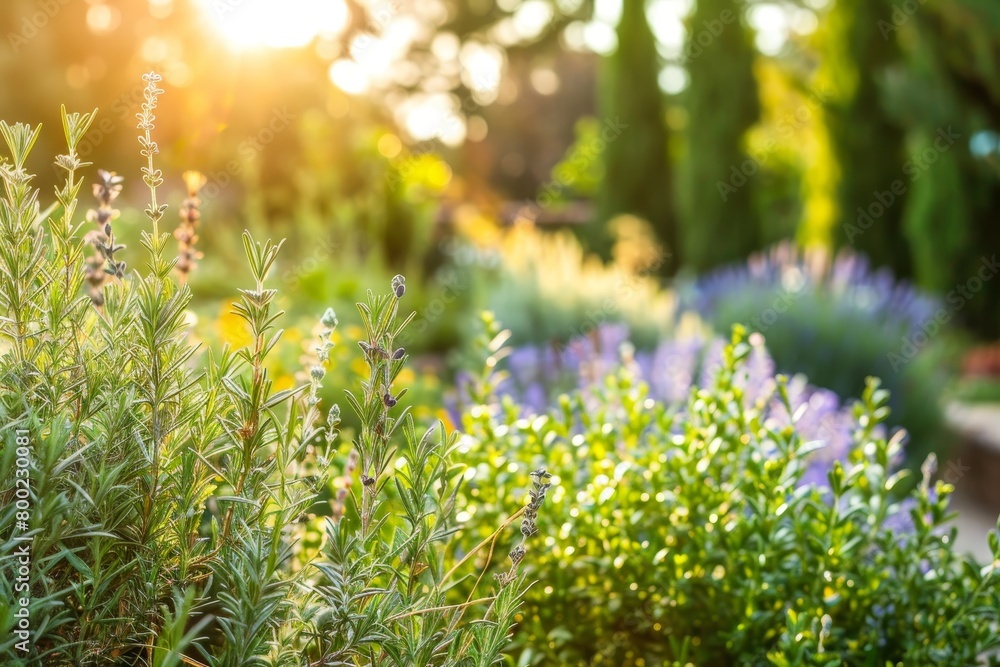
{"x": 333, "y": 419}
{"x": 329, "y": 319}
{"x": 187, "y": 229}
{"x": 399, "y": 286}
{"x": 517, "y": 555}
{"x": 504, "y": 579}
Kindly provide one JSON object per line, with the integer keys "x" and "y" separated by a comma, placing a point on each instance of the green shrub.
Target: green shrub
{"x": 547, "y": 289}
{"x": 157, "y": 502}
{"x": 688, "y": 538}
{"x": 977, "y": 390}
{"x": 837, "y": 320}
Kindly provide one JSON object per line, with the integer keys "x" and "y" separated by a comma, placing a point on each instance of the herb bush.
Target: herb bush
{"x": 546, "y": 289}
{"x": 693, "y": 536}
{"x": 537, "y": 375}
{"x": 169, "y": 493}
{"x": 289, "y": 364}
{"x": 837, "y": 320}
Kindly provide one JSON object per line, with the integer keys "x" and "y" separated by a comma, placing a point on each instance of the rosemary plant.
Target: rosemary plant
{"x": 167, "y": 489}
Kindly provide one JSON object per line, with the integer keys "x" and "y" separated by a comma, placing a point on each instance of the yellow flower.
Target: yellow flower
{"x": 406, "y": 377}
{"x": 232, "y": 328}
{"x": 445, "y": 418}
{"x": 194, "y": 181}
{"x": 359, "y": 366}
{"x": 284, "y": 382}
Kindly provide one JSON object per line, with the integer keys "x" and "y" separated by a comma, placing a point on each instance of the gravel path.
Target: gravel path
{"x": 976, "y": 485}
{"x": 973, "y": 523}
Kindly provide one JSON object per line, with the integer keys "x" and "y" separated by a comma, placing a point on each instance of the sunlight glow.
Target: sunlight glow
{"x": 432, "y": 116}
{"x": 771, "y": 23}
{"x": 531, "y": 18}
{"x": 600, "y": 37}
{"x": 103, "y": 19}
{"x": 349, "y": 77}
{"x": 482, "y": 67}
{"x": 666, "y": 19}
{"x": 673, "y": 79}
{"x": 377, "y": 56}
{"x": 268, "y": 23}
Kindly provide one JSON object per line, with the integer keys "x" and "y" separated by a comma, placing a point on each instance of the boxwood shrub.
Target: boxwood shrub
{"x": 690, "y": 535}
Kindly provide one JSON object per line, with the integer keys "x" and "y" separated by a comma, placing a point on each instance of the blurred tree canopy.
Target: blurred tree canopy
{"x": 857, "y": 120}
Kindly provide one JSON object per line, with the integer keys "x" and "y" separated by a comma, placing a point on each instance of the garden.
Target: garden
{"x": 375, "y": 333}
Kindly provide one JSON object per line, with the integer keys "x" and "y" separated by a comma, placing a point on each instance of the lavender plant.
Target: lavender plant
{"x": 838, "y": 320}
{"x": 704, "y": 535}
{"x": 169, "y": 489}
{"x": 536, "y": 375}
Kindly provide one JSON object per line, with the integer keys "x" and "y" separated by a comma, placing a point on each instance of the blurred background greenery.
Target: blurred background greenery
{"x": 567, "y": 164}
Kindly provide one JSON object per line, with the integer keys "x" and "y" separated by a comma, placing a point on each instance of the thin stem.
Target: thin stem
{"x": 492, "y": 538}
{"x": 417, "y": 612}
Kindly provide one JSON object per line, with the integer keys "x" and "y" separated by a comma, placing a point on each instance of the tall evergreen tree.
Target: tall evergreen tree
{"x": 949, "y": 97}
{"x": 637, "y": 173}
{"x": 867, "y": 143}
{"x": 720, "y": 224}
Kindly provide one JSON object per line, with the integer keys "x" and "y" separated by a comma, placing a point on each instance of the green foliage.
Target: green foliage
{"x": 637, "y": 171}
{"x": 579, "y": 171}
{"x": 370, "y": 220}
{"x": 172, "y": 491}
{"x": 720, "y": 221}
{"x": 951, "y": 85}
{"x": 977, "y": 390}
{"x": 835, "y": 341}
{"x": 548, "y": 290}
{"x": 687, "y": 538}
{"x": 867, "y": 143}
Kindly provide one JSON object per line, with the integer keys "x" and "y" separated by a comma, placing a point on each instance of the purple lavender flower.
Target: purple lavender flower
{"x": 670, "y": 370}
{"x": 786, "y": 270}
{"x": 539, "y": 373}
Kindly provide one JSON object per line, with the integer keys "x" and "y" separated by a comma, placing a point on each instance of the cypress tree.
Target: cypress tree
{"x": 868, "y": 145}
{"x": 720, "y": 223}
{"x": 637, "y": 173}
